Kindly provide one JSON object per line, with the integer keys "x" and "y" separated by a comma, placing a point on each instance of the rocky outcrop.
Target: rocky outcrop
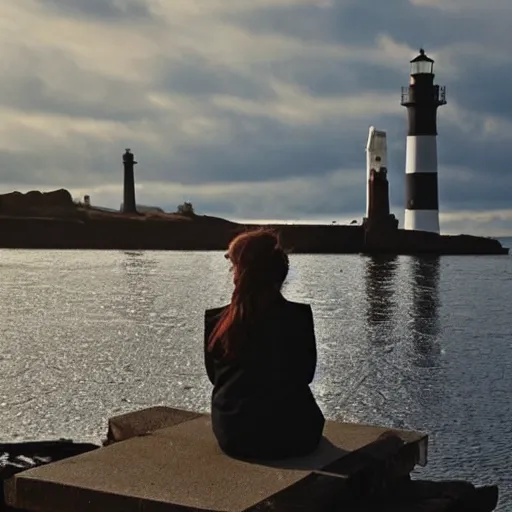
{"x": 37, "y": 204}
{"x": 17, "y": 457}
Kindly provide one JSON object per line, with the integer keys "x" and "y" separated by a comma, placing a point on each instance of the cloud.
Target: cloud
{"x": 252, "y": 109}
{"x": 478, "y": 223}
{"x": 100, "y": 9}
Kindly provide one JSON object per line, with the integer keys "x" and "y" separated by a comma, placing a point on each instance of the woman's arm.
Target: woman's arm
{"x": 308, "y": 345}
{"x": 299, "y": 356}
{"x": 209, "y": 325}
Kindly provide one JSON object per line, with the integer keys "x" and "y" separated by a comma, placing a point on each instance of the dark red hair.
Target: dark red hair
{"x": 260, "y": 266}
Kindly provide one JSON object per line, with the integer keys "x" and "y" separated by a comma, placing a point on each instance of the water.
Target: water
{"x": 403, "y": 342}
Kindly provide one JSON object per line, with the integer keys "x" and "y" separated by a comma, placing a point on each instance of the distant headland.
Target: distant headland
{"x": 52, "y": 220}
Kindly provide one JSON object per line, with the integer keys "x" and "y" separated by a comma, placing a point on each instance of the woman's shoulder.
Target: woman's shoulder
{"x": 299, "y": 308}
{"x": 213, "y": 313}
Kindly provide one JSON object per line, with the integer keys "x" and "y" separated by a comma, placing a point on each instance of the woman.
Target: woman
{"x": 260, "y": 355}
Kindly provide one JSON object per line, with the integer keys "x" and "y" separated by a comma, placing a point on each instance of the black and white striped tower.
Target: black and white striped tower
{"x": 422, "y": 98}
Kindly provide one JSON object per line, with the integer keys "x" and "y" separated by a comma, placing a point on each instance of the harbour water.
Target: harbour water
{"x": 422, "y": 343}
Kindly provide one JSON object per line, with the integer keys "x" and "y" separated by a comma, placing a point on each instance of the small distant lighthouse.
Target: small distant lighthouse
{"x": 422, "y": 98}
{"x": 129, "y": 162}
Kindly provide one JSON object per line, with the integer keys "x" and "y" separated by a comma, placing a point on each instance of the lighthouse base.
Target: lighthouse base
{"x": 422, "y": 220}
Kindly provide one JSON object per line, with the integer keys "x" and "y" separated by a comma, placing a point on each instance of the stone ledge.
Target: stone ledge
{"x": 139, "y": 423}
{"x": 181, "y": 468}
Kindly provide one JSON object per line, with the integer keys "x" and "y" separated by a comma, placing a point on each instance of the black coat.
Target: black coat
{"x": 262, "y": 406}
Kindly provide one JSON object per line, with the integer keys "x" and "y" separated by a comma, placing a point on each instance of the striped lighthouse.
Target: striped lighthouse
{"x": 422, "y": 98}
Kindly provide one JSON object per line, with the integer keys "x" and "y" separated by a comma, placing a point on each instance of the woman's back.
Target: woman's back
{"x": 262, "y": 405}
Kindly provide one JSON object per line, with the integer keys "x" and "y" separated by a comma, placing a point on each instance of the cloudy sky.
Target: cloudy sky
{"x": 253, "y": 109}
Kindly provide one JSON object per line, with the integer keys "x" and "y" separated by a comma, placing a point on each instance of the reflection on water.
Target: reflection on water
{"x": 387, "y": 307}
{"x": 380, "y": 284}
{"x": 140, "y": 294}
{"x": 425, "y": 309}
{"x": 402, "y": 326}
{"x": 133, "y": 300}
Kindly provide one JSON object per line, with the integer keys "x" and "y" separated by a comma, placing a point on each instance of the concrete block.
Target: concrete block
{"x": 144, "y": 422}
{"x": 181, "y": 468}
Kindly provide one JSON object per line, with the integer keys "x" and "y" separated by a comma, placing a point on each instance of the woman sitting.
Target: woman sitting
{"x": 260, "y": 355}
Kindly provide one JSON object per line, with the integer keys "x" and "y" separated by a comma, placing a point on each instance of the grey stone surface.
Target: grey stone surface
{"x": 143, "y": 422}
{"x": 178, "y": 468}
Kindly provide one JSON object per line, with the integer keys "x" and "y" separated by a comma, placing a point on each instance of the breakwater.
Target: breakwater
{"x": 175, "y": 232}
{"x": 52, "y": 220}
